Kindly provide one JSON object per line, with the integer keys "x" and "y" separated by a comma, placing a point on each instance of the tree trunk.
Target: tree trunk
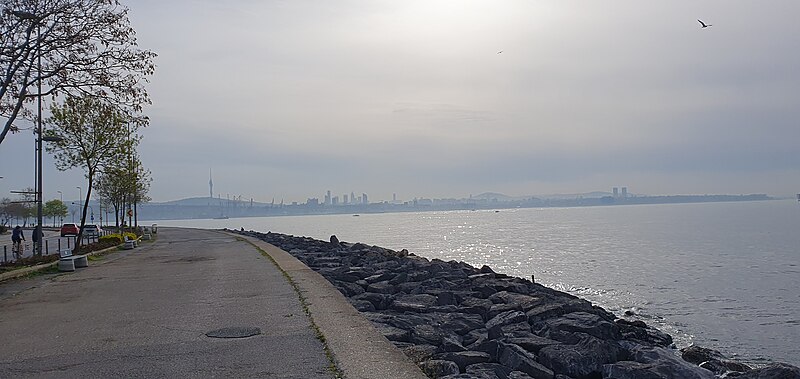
{"x": 83, "y": 213}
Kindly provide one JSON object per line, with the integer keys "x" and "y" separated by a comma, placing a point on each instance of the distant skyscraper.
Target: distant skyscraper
{"x": 210, "y": 185}
{"x": 364, "y": 199}
{"x": 345, "y": 198}
{"x": 616, "y": 192}
{"x": 624, "y": 192}
{"x": 328, "y": 198}
{"x": 394, "y": 197}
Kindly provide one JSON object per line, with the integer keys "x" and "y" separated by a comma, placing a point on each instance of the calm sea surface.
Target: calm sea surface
{"x": 721, "y": 275}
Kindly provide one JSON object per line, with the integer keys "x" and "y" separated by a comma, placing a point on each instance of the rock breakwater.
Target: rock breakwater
{"x": 457, "y": 321}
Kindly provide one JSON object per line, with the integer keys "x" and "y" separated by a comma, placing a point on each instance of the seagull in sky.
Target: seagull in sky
{"x": 500, "y": 52}
{"x": 703, "y": 24}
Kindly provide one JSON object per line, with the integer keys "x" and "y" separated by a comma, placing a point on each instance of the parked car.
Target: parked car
{"x": 69, "y": 230}
{"x": 91, "y": 230}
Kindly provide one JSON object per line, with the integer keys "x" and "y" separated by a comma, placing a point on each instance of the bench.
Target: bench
{"x": 69, "y": 262}
{"x": 129, "y": 243}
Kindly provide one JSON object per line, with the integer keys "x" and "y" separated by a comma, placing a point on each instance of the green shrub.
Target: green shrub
{"x": 116, "y": 238}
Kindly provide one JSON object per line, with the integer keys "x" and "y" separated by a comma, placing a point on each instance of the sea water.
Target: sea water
{"x": 720, "y": 275}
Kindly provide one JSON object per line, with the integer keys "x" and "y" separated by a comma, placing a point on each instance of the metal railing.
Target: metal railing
{"x": 50, "y": 245}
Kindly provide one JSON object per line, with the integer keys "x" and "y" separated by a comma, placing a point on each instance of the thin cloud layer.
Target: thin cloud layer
{"x": 288, "y": 99}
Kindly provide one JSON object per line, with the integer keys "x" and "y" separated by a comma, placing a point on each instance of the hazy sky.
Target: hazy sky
{"x": 288, "y": 99}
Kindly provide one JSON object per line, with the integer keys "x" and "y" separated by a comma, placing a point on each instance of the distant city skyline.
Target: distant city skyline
{"x": 288, "y": 99}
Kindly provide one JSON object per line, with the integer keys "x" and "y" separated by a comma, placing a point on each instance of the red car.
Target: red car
{"x": 69, "y": 230}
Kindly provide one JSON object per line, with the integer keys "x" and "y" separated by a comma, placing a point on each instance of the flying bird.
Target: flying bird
{"x": 703, "y": 24}
{"x": 500, "y": 52}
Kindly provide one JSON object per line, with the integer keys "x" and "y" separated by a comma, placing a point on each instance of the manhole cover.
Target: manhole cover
{"x": 234, "y": 332}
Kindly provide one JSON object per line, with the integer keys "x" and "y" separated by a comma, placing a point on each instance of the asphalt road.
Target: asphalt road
{"x": 146, "y": 312}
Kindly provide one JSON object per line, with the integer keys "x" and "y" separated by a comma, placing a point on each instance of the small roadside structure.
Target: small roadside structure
{"x": 69, "y": 262}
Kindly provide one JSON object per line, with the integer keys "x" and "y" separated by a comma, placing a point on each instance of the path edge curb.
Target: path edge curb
{"x": 360, "y": 351}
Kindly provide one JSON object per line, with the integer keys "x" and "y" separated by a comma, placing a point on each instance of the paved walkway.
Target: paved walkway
{"x": 145, "y": 312}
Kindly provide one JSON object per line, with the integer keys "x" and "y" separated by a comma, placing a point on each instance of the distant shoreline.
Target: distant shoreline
{"x": 155, "y": 212}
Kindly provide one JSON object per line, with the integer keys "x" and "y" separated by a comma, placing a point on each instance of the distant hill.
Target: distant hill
{"x": 204, "y": 201}
{"x": 558, "y": 196}
{"x": 585, "y": 195}
{"x": 495, "y": 195}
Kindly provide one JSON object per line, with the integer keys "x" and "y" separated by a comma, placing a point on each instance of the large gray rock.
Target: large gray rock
{"x": 653, "y": 363}
{"x": 773, "y": 371}
{"x": 639, "y": 331}
{"x": 518, "y": 359}
{"x": 437, "y": 368}
{"x": 711, "y": 360}
{"x": 413, "y": 303}
{"x": 379, "y": 301}
{"x": 557, "y": 307}
{"x": 391, "y": 333}
{"x": 532, "y": 342}
{"x": 561, "y": 328}
{"x": 523, "y": 302}
{"x": 466, "y": 358}
{"x": 348, "y": 289}
{"x": 510, "y": 330}
{"x": 507, "y": 318}
{"x": 476, "y": 305}
{"x": 459, "y": 323}
{"x": 581, "y": 359}
{"x": 426, "y": 335}
{"x": 382, "y": 287}
{"x": 489, "y": 369}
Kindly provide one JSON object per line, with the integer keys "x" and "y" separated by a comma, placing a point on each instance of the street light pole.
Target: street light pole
{"x": 61, "y": 198}
{"x": 39, "y": 192}
{"x": 80, "y": 202}
{"x": 23, "y": 15}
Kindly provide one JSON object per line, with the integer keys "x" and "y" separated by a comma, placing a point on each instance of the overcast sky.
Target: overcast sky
{"x": 432, "y": 98}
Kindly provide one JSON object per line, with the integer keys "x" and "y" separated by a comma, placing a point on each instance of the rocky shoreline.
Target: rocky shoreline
{"x": 457, "y": 321}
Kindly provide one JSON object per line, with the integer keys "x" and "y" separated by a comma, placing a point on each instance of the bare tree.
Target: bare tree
{"x": 85, "y": 47}
{"x": 89, "y": 131}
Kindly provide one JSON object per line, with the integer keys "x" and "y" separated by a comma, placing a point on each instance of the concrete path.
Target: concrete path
{"x": 144, "y": 313}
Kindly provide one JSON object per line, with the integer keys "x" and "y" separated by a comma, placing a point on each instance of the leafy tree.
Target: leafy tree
{"x": 140, "y": 182}
{"x": 86, "y": 47}
{"x": 111, "y": 189}
{"x": 89, "y": 130}
{"x": 5, "y": 212}
{"x": 54, "y": 208}
{"x": 18, "y": 211}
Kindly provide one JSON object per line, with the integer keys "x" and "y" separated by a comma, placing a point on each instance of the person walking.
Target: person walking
{"x": 17, "y": 237}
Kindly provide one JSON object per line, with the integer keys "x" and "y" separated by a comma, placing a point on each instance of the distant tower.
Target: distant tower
{"x": 624, "y": 192}
{"x": 616, "y": 192}
{"x": 210, "y": 185}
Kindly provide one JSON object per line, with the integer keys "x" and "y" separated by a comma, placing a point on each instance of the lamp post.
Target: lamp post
{"x": 80, "y": 203}
{"x": 23, "y": 15}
